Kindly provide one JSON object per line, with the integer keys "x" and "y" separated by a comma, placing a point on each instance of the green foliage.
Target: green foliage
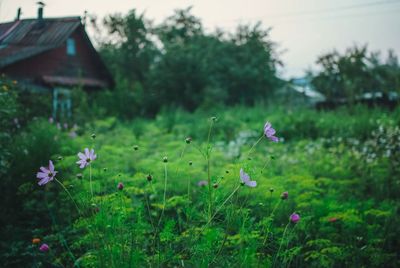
{"x": 323, "y": 167}
{"x": 176, "y": 63}
{"x": 356, "y": 72}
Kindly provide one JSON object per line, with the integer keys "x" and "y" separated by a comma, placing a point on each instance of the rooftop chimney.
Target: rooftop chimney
{"x": 40, "y": 13}
{"x": 18, "y": 14}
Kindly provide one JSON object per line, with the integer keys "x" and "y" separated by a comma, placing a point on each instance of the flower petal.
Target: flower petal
{"x": 41, "y": 175}
{"x": 87, "y": 153}
{"x": 251, "y": 184}
{"x": 51, "y": 166}
{"x": 267, "y": 126}
{"x": 274, "y": 139}
{"x": 81, "y": 155}
{"x": 43, "y": 181}
{"x": 244, "y": 177}
{"x": 45, "y": 170}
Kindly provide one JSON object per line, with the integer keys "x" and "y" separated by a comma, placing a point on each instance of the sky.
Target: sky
{"x": 303, "y": 29}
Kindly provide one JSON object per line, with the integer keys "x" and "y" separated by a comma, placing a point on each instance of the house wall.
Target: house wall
{"x": 56, "y": 62}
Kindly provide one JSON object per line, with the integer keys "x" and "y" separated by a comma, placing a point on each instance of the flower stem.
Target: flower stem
{"x": 254, "y": 145}
{"x": 220, "y": 207}
{"x": 208, "y": 154}
{"x": 280, "y": 246}
{"x": 70, "y": 196}
{"x": 165, "y": 192}
{"x": 90, "y": 179}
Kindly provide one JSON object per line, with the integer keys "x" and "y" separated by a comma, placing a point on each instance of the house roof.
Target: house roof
{"x": 22, "y": 39}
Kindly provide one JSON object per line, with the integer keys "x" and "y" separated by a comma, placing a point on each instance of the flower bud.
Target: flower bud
{"x": 214, "y": 118}
{"x": 44, "y": 248}
{"x": 190, "y": 163}
{"x": 165, "y": 159}
{"x": 294, "y": 217}
{"x": 93, "y": 136}
{"x": 36, "y": 241}
{"x": 215, "y": 185}
{"x": 79, "y": 176}
{"x": 149, "y": 177}
{"x": 271, "y": 190}
{"x": 284, "y": 195}
{"x": 120, "y": 186}
{"x": 188, "y": 140}
{"x": 135, "y": 147}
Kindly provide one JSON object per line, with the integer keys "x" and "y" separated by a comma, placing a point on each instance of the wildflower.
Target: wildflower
{"x": 294, "y": 217}
{"x": 149, "y": 177}
{"x": 284, "y": 195}
{"x": 333, "y": 219}
{"x": 36, "y": 241}
{"x": 188, "y": 140}
{"x": 120, "y": 186}
{"x": 202, "y": 183}
{"x": 46, "y": 174}
{"x": 269, "y": 132}
{"x": 245, "y": 178}
{"x": 44, "y": 248}
{"x": 86, "y": 158}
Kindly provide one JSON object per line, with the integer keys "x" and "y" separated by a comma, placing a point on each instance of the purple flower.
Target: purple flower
{"x": 202, "y": 183}
{"x": 294, "y": 217}
{"x": 44, "y": 248}
{"x": 120, "y": 186}
{"x": 86, "y": 158}
{"x": 269, "y": 132}
{"x": 245, "y": 178}
{"x": 284, "y": 195}
{"x": 46, "y": 174}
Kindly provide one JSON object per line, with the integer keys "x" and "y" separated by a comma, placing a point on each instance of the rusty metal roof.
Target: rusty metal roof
{"x": 22, "y": 39}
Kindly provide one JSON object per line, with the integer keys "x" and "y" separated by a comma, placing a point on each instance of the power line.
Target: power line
{"x": 301, "y": 20}
{"x": 322, "y": 10}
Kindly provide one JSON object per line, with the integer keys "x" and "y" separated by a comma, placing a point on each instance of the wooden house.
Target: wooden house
{"x": 53, "y": 55}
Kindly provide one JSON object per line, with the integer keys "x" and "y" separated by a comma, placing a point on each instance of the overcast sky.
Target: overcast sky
{"x": 303, "y": 29}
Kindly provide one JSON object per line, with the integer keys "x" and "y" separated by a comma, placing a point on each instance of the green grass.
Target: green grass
{"x": 347, "y": 204}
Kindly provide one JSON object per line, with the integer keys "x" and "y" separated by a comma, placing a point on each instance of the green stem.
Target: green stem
{"x": 90, "y": 179}
{"x": 280, "y": 246}
{"x": 221, "y": 206}
{"x": 209, "y": 189}
{"x": 70, "y": 196}
{"x": 254, "y": 145}
{"x": 165, "y": 193}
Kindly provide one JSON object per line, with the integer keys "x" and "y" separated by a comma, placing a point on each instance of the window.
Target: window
{"x": 71, "y": 50}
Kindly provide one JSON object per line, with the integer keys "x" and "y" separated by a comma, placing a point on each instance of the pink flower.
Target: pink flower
{"x": 245, "y": 178}
{"x": 46, "y": 174}
{"x": 86, "y": 158}
{"x": 284, "y": 195}
{"x": 294, "y": 217}
{"x": 120, "y": 186}
{"x": 44, "y": 248}
{"x": 269, "y": 132}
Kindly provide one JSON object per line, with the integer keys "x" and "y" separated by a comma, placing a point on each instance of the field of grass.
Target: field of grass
{"x": 339, "y": 168}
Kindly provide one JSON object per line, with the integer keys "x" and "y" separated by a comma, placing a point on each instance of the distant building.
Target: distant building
{"x": 53, "y": 55}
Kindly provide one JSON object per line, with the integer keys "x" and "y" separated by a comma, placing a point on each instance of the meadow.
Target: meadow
{"x": 169, "y": 192}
